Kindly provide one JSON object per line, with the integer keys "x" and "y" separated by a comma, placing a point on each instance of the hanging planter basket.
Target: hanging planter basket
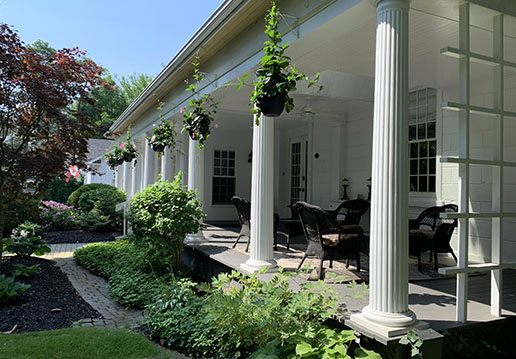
{"x": 271, "y": 106}
{"x": 128, "y": 157}
{"x": 158, "y": 147}
{"x": 119, "y": 161}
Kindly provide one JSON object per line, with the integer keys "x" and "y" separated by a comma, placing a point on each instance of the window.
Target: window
{"x": 422, "y": 140}
{"x": 223, "y": 177}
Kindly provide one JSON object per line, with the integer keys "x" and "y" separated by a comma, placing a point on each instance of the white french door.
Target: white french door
{"x": 298, "y": 169}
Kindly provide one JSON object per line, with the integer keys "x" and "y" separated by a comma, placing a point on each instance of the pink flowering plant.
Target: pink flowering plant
{"x": 198, "y": 115}
{"x": 121, "y": 152}
{"x": 163, "y": 135}
{"x": 57, "y": 216}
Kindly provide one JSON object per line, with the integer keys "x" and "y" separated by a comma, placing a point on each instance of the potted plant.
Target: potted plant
{"x": 128, "y": 148}
{"x": 275, "y": 76}
{"x": 198, "y": 115}
{"x": 163, "y": 135}
{"x": 122, "y": 151}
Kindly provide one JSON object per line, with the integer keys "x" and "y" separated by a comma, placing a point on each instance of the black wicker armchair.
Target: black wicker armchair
{"x": 243, "y": 208}
{"x": 350, "y": 212}
{"x": 327, "y": 239}
{"x": 430, "y": 232}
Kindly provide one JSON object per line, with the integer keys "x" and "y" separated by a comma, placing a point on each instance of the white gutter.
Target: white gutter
{"x": 225, "y": 10}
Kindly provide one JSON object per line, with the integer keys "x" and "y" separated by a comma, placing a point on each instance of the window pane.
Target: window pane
{"x": 430, "y": 130}
{"x": 413, "y": 167}
{"x": 431, "y": 184}
{"x": 413, "y": 150}
{"x": 412, "y": 115}
{"x": 423, "y": 149}
{"x": 217, "y": 162}
{"x": 231, "y": 154}
{"x": 432, "y": 148}
{"x": 423, "y": 184}
{"x": 412, "y": 133}
{"x": 422, "y": 97}
{"x": 421, "y": 131}
{"x": 224, "y": 154}
{"x": 217, "y": 153}
{"x": 216, "y": 171}
{"x": 431, "y": 166}
{"x": 413, "y": 183}
{"x": 421, "y": 114}
{"x": 423, "y": 167}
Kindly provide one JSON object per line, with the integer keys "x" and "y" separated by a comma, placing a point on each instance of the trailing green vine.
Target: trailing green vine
{"x": 198, "y": 115}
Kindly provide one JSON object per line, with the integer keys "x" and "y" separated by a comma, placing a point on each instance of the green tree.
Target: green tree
{"x": 133, "y": 85}
{"x": 39, "y": 133}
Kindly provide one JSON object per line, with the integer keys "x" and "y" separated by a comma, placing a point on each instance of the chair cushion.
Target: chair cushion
{"x": 422, "y": 233}
{"x": 332, "y": 240}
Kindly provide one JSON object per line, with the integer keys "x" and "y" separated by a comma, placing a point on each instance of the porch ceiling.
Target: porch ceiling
{"x": 346, "y": 44}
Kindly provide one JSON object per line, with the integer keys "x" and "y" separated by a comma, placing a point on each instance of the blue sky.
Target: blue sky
{"x": 124, "y": 36}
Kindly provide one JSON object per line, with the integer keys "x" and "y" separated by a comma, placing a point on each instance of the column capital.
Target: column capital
{"x": 391, "y": 4}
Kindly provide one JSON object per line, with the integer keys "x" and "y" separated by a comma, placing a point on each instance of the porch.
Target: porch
{"x": 431, "y": 296}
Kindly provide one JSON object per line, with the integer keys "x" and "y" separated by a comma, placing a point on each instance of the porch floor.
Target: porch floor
{"x": 431, "y": 296}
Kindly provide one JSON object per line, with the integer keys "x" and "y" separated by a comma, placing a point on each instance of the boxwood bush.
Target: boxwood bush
{"x": 98, "y": 201}
{"x": 162, "y": 215}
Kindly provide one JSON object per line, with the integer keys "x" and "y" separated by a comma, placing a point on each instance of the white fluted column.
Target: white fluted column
{"x": 388, "y": 313}
{"x": 196, "y": 180}
{"x": 148, "y": 165}
{"x": 166, "y": 165}
{"x": 134, "y": 180}
{"x": 262, "y": 197}
{"x": 125, "y": 176}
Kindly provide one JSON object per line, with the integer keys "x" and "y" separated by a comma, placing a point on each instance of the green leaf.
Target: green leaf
{"x": 304, "y": 348}
{"x": 361, "y": 353}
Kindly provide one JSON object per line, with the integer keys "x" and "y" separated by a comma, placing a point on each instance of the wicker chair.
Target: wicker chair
{"x": 327, "y": 239}
{"x": 430, "y": 232}
{"x": 243, "y": 208}
{"x": 352, "y": 211}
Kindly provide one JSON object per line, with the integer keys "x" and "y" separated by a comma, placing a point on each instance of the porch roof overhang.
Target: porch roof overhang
{"x": 230, "y": 18}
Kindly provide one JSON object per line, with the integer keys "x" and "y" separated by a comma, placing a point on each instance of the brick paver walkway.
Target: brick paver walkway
{"x": 93, "y": 290}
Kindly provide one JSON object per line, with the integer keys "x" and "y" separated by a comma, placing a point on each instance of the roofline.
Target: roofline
{"x": 210, "y": 26}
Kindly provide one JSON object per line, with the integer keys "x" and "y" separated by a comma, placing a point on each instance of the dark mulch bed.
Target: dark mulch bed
{"x": 49, "y": 289}
{"x": 77, "y": 236}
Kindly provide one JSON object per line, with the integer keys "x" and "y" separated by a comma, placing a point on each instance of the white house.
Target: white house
{"x": 100, "y": 171}
{"x": 419, "y": 96}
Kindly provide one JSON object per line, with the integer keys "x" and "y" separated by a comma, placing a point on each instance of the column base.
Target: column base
{"x": 195, "y": 238}
{"x": 253, "y": 266}
{"x": 382, "y": 332}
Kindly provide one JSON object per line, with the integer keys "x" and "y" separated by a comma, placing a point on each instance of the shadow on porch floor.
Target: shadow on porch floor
{"x": 431, "y": 296}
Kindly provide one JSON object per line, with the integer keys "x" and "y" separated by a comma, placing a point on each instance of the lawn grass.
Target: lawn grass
{"x": 81, "y": 343}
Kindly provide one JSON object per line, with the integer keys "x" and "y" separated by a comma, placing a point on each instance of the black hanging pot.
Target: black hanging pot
{"x": 119, "y": 161}
{"x": 271, "y": 106}
{"x": 158, "y": 147}
{"x": 128, "y": 157}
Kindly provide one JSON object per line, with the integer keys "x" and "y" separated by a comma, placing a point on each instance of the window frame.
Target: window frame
{"x": 213, "y": 175}
{"x": 437, "y": 128}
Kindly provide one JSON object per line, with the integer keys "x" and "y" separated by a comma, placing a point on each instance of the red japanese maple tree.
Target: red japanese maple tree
{"x": 41, "y": 133}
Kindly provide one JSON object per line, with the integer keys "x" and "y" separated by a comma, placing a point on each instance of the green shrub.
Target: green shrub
{"x": 10, "y": 289}
{"x": 20, "y": 270}
{"x": 24, "y": 243}
{"x": 162, "y": 215}
{"x": 59, "y": 190}
{"x": 73, "y": 199}
{"x": 57, "y": 216}
{"x": 136, "y": 276}
{"x": 136, "y": 289}
{"x": 98, "y": 201}
{"x": 19, "y": 207}
{"x": 234, "y": 321}
{"x": 321, "y": 342}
